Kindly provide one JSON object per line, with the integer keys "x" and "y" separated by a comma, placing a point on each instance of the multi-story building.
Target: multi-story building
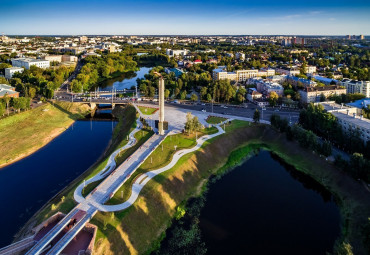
{"x": 28, "y": 62}
{"x": 313, "y": 94}
{"x": 53, "y": 58}
{"x": 243, "y": 75}
{"x": 266, "y": 72}
{"x": 12, "y": 70}
{"x": 310, "y": 69}
{"x": 173, "y": 53}
{"x": 287, "y": 70}
{"x": 222, "y": 74}
{"x": 352, "y": 86}
{"x": 350, "y": 119}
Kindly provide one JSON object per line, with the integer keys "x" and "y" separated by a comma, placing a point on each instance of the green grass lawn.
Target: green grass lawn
{"x": 24, "y": 133}
{"x": 147, "y": 110}
{"x": 215, "y": 120}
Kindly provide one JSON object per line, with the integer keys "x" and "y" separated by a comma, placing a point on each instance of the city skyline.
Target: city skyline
{"x": 40, "y": 17}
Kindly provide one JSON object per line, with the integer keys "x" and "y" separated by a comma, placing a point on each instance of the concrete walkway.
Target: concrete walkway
{"x": 143, "y": 179}
{"x": 109, "y": 167}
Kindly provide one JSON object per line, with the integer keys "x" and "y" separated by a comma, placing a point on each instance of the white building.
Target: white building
{"x": 313, "y": 94}
{"x": 173, "y": 53}
{"x": 349, "y": 119}
{"x": 352, "y": 86}
{"x": 28, "y": 62}
{"x": 310, "y": 69}
{"x": 12, "y": 70}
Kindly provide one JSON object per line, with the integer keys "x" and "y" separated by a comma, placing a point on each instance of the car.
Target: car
{"x": 204, "y": 110}
{"x": 276, "y": 110}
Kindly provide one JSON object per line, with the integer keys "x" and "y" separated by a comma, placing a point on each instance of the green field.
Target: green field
{"x": 147, "y": 110}
{"x": 26, "y": 132}
{"x": 215, "y": 119}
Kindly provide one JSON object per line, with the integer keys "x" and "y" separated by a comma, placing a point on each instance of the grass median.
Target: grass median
{"x": 147, "y": 110}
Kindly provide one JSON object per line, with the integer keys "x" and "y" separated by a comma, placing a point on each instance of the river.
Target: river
{"x": 28, "y": 184}
{"x": 265, "y": 206}
{"x": 124, "y": 81}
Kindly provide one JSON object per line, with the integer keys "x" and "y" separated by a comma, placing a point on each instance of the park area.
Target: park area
{"x": 147, "y": 110}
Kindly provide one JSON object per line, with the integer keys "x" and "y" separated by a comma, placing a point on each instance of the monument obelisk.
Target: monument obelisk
{"x": 161, "y": 106}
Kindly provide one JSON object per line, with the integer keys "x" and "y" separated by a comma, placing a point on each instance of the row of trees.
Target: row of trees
{"x": 305, "y": 138}
{"x": 21, "y": 103}
{"x": 325, "y": 125}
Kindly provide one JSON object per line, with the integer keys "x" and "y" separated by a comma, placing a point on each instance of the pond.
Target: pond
{"x": 265, "y": 206}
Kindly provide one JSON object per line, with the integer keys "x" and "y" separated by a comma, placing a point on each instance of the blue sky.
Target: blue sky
{"x": 192, "y": 17}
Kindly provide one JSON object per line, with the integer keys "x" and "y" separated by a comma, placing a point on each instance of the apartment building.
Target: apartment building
{"x": 352, "y": 86}
{"x": 12, "y": 70}
{"x": 310, "y": 69}
{"x": 350, "y": 119}
{"x": 240, "y": 75}
{"x": 287, "y": 70}
{"x": 313, "y": 94}
{"x": 173, "y": 53}
{"x": 28, "y": 62}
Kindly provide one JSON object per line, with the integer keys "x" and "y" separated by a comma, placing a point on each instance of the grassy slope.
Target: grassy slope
{"x": 127, "y": 118}
{"x": 26, "y": 132}
{"x": 138, "y": 229}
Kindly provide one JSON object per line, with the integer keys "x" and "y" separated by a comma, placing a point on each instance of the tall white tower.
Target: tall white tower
{"x": 161, "y": 105}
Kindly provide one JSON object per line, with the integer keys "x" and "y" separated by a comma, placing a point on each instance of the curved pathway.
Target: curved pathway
{"x": 109, "y": 167}
{"x": 145, "y": 178}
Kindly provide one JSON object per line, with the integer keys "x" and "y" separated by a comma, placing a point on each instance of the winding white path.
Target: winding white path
{"x": 143, "y": 179}
{"x": 109, "y": 167}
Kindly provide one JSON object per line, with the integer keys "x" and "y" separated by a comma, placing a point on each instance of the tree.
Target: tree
{"x": 273, "y": 97}
{"x": 322, "y": 97}
{"x": 194, "y": 97}
{"x": 166, "y": 93}
{"x": 209, "y": 97}
{"x": 183, "y": 95}
{"x": 256, "y": 116}
{"x": 2, "y": 109}
{"x": 203, "y": 92}
{"x": 6, "y": 99}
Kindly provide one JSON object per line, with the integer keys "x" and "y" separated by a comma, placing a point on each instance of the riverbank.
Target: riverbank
{"x": 140, "y": 228}
{"x": 64, "y": 201}
{"x": 25, "y": 133}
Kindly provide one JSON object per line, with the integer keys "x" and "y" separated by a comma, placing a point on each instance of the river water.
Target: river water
{"x": 265, "y": 206}
{"x": 28, "y": 184}
{"x": 124, "y": 81}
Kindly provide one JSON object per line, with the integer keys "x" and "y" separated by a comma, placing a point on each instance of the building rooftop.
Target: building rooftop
{"x": 325, "y": 88}
{"x": 14, "y": 68}
{"x": 29, "y": 59}
{"x": 358, "y": 121}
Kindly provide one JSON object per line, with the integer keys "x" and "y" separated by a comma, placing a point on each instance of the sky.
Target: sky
{"x": 191, "y": 17}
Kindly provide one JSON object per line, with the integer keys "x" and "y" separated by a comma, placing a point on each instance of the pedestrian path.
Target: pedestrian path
{"x": 109, "y": 167}
{"x": 143, "y": 179}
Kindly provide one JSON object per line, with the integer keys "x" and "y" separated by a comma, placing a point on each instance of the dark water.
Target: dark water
{"x": 125, "y": 81}
{"x": 27, "y": 185}
{"x": 266, "y": 207}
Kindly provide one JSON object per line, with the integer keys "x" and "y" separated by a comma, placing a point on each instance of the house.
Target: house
{"x": 253, "y": 95}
